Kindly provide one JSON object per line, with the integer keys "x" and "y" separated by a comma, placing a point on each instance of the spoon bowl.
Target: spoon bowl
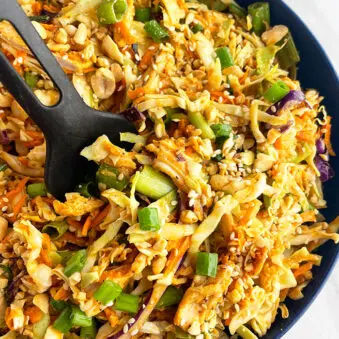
{"x": 68, "y": 126}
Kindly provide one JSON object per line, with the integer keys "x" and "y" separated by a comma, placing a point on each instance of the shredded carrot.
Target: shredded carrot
{"x": 18, "y": 188}
{"x": 50, "y": 8}
{"x": 61, "y": 294}
{"x": 89, "y": 70}
{"x": 101, "y": 216}
{"x": 49, "y": 27}
{"x": 9, "y": 315}
{"x": 46, "y": 248}
{"x": 279, "y": 145}
{"x": 133, "y": 94}
{"x": 122, "y": 28}
{"x": 146, "y": 60}
{"x": 87, "y": 225}
{"x": 76, "y": 224}
{"x": 305, "y": 136}
{"x": 34, "y": 313}
{"x": 111, "y": 316}
{"x": 116, "y": 273}
{"x": 302, "y": 269}
{"x": 19, "y": 205}
{"x": 327, "y": 138}
{"x": 37, "y": 7}
{"x": 308, "y": 216}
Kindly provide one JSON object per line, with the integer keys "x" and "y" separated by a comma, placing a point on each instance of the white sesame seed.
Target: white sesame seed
{"x": 273, "y": 109}
{"x": 134, "y": 332}
{"x": 121, "y": 176}
{"x": 137, "y": 57}
{"x": 143, "y": 306}
{"x": 131, "y": 321}
{"x": 220, "y": 100}
{"x": 232, "y": 235}
{"x": 146, "y": 77}
{"x": 5, "y": 199}
{"x": 125, "y": 329}
{"x": 174, "y": 203}
{"x": 4, "y": 209}
{"x": 191, "y": 203}
{"x": 20, "y": 60}
{"x": 151, "y": 48}
{"x": 237, "y": 308}
{"x": 121, "y": 87}
{"x": 10, "y": 215}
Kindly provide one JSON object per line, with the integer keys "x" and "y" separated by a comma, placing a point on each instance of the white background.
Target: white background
{"x": 321, "y": 320}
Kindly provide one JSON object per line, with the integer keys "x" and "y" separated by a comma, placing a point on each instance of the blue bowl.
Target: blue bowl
{"x": 315, "y": 71}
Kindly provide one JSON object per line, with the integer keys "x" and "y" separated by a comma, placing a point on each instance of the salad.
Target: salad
{"x": 210, "y": 221}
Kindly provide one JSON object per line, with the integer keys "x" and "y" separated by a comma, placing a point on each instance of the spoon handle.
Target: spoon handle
{"x": 11, "y": 11}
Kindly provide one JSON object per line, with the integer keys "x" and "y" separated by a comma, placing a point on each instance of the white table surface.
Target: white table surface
{"x": 321, "y": 320}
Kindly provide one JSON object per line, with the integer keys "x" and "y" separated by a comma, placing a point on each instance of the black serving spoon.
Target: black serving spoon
{"x": 70, "y": 124}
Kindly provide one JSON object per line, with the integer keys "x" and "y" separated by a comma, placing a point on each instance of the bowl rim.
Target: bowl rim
{"x": 333, "y": 259}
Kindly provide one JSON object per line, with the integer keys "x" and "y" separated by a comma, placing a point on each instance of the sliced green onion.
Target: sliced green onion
{"x": 245, "y": 333}
{"x": 225, "y": 57}
{"x": 207, "y": 264}
{"x": 267, "y": 201}
{"x": 79, "y": 318}
{"x": 87, "y": 189}
{"x": 180, "y": 334}
{"x": 261, "y": 18}
{"x": 276, "y": 92}
{"x": 59, "y": 305}
{"x": 3, "y": 167}
{"x": 143, "y": 14}
{"x": 222, "y": 130}
{"x": 237, "y": 10}
{"x": 288, "y": 56}
{"x": 197, "y": 28}
{"x": 198, "y": 120}
{"x": 6, "y": 272}
{"x": 89, "y": 332}
{"x": 40, "y": 18}
{"x": 107, "y": 292}
{"x": 37, "y": 189}
{"x": 222, "y": 133}
{"x": 216, "y": 5}
{"x": 55, "y": 229}
{"x": 64, "y": 323}
{"x": 149, "y": 219}
{"x": 133, "y": 138}
{"x": 111, "y": 177}
{"x": 40, "y": 327}
{"x": 218, "y": 157}
{"x": 65, "y": 256}
{"x": 179, "y": 116}
{"x": 172, "y": 296}
{"x": 76, "y": 263}
{"x": 153, "y": 183}
{"x": 111, "y": 11}
{"x": 31, "y": 79}
{"x": 156, "y": 31}
{"x": 127, "y": 303}
{"x": 169, "y": 113}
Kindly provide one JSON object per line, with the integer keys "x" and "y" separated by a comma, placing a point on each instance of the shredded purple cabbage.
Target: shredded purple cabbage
{"x": 292, "y": 98}
{"x": 321, "y": 148}
{"x": 133, "y": 115}
{"x": 4, "y": 139}
{"x": 325, "y": 169}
